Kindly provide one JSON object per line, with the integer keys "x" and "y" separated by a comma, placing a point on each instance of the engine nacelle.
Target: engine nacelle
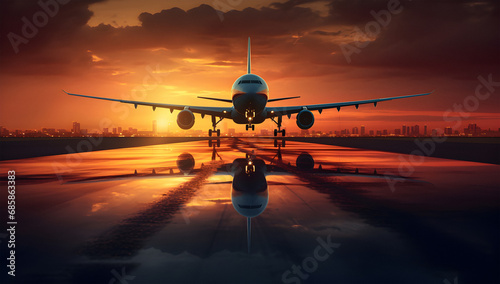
{"x": 185, "y": 119}
{"x": 305, "y": 162}
{"x": 305, "y": 119}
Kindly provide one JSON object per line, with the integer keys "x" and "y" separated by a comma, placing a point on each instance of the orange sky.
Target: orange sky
{"x": 122, "y": 49}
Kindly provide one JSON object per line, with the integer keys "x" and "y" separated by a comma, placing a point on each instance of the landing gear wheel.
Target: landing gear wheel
{"x": 246, "y": 127}
{"x": 210, "y": 132}
{"x": 283, "y": 132}
{"x": 218, "y": 132}
{"x": 275, "y": 132}
{"x": 253, "y": 127}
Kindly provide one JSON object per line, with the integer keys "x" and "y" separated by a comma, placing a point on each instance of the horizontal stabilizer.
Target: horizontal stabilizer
{"x": 281, "y": 99}
{"x": 216, "y": 99}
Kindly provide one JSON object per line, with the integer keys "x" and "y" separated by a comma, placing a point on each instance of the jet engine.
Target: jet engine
{"x": 305, "y": 162}
{"x": 185, "y": 119}
{"x": 305, "y": 119}
{"x": 185, "y": 163}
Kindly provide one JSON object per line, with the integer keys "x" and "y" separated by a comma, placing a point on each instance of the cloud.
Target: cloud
{"x": 424, "y": 36}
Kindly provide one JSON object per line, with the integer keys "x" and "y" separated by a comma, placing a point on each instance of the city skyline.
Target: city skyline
{"x": 404, "y": 130}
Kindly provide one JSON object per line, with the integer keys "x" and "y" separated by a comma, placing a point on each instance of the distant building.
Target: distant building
{"x": 425, "y": 130}
{"x": 472, "y": 129}
{"x": 371, "y": 132}
{"x": 404, "y": 130}
{"x": 363, "y": 130}
{"x": 231, "y": 132}
{"x": 264, "y": 132}
{"x": 448, "y": 131}
{"x": 397, "y": 131}
{"x": 76, "y": 127}
{"x": 155, "y": 127}
{"x": 355, "y": 130}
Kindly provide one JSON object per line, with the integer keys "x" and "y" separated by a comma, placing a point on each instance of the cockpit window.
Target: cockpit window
{"x": 249, "y": 82}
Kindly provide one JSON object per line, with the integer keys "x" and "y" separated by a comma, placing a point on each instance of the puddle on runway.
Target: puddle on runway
{"x": 161, "y": 214}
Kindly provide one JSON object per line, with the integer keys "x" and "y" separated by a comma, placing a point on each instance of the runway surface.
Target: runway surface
{"x": 165, "y": 214}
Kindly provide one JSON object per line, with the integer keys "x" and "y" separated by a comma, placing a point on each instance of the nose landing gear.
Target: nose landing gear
{"x": 248, "y": 126}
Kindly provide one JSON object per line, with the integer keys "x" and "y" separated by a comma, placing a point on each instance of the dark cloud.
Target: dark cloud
{"x": 324, "y": 33}
{"x": 457, "y": 38}
{"x": 38, "y": 39}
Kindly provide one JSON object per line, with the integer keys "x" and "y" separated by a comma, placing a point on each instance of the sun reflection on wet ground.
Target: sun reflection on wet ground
{"x": 165, "y": 214}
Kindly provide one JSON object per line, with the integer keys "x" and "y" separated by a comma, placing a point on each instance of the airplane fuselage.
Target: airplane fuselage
{"x": 249, "y": 94}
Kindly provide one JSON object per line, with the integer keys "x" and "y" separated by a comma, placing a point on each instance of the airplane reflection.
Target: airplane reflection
{"x": 249, "y": 185}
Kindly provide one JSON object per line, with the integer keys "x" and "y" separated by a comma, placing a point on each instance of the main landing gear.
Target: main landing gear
{"x": 279, "y": 130}
{"x": 214, "y": 124}
{"x": 279, "y": 143}
{"x": 250, "y": 127}
{"x": 214, "y": 143}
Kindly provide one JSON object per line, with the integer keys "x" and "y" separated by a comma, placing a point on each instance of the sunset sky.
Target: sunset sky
{"x": 174, "y": 51}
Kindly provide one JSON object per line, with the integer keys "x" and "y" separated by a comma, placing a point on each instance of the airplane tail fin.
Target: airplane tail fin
{"x": 249, "y": 57}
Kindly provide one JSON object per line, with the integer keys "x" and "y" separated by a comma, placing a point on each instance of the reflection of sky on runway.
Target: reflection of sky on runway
{"x": 433, "y": 226}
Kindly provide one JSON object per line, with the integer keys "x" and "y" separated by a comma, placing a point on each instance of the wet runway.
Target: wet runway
{"x": 253, "y": 211}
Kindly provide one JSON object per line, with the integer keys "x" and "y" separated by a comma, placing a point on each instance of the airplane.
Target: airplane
{"x": 250, "y": 95}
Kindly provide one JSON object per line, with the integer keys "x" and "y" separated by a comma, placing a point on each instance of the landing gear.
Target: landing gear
{"x": 250, "y": 127}
{"x": 279, "y": 130}
{"x": 278, "y": 143}
{"x": 214, "y": 143}
{"x": 214, "y": 124}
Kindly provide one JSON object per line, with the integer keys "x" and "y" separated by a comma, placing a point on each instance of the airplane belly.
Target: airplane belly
{"x": 244, "y": 102}
{"x": 239, "y": 118}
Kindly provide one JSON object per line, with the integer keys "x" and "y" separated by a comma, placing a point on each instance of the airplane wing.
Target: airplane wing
{"x": 215, "y": 111}
{"x": 273, "y": 111}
